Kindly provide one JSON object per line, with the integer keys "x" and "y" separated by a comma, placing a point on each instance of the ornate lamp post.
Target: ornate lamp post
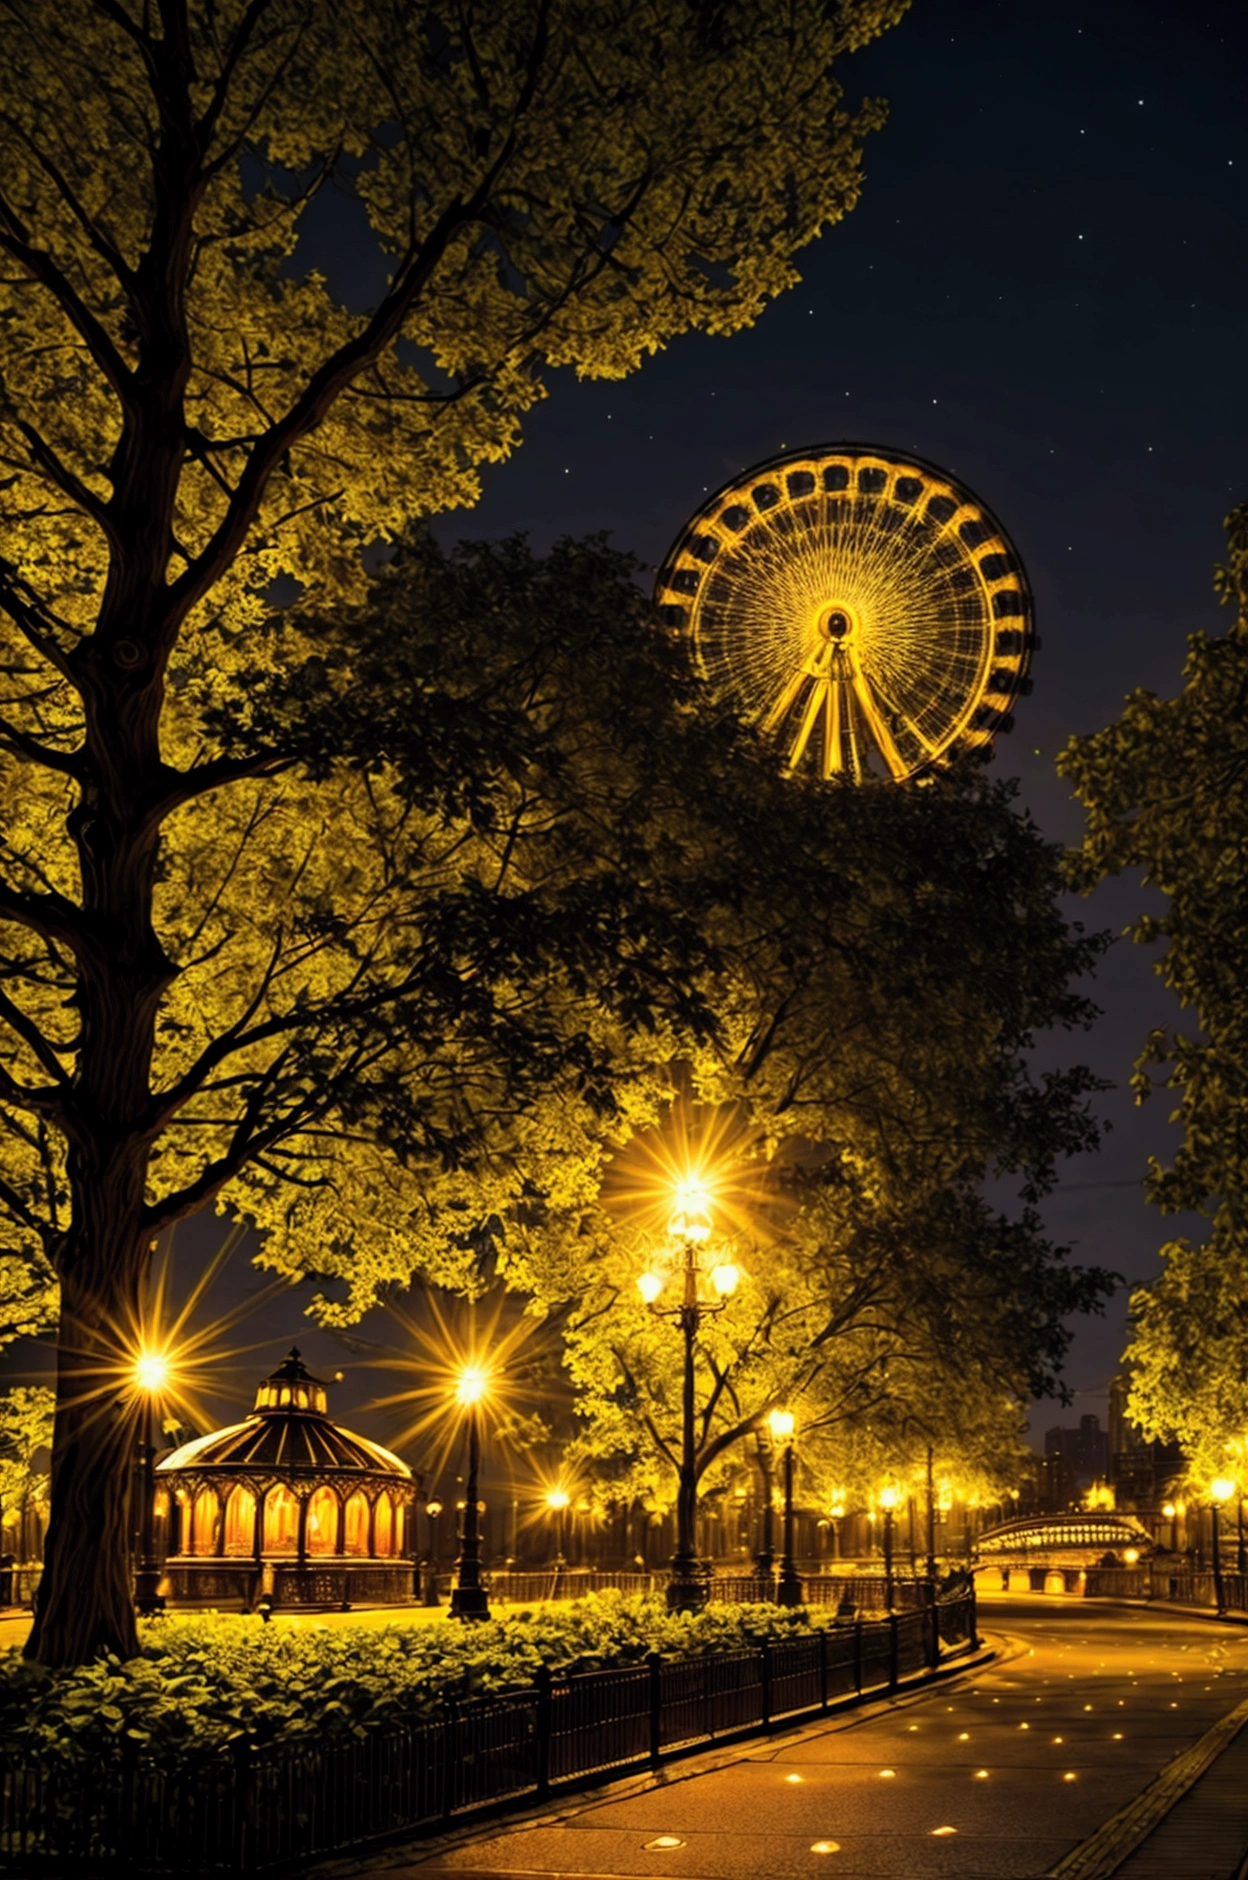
{"x": 468, "y": 1597}
{"x": 836, "y": 1514}
{"x": 789, "y": 1589}
{"x": 151, "y": 1374}
{"x": 690, "y": 1227}
{"x": 558, "y": 1501}
{"x": 432, "y": 1510}
{"x": 890, "y": 1498}
{"x": 1220, "y": 1490}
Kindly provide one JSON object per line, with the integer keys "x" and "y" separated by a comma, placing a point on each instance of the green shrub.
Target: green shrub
{"x": 200, "y": 1683}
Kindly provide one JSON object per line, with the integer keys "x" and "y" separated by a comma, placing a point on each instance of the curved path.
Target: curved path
{"x": 1003, "y": 1773}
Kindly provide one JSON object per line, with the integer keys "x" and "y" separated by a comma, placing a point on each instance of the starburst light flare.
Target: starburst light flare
{"x": 861, "y": 606}
{"x": 163, "y": 1354}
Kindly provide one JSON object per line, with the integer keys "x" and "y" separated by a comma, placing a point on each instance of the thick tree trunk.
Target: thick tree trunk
{"x": 84, "y": 1605}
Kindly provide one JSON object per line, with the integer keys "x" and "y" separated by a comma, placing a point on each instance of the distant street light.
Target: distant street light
{"x": 432, "y": 1510}
{"x": 468, "y": 1597}
{"x": 558, "y": 1500}
{"x": 690, "y": 1227}
{"x": 150, "y": 1377}
{"x": 789, "y": 1589}
{"x": 1220, "y": 1490}
{"x": 890, "y": 1499}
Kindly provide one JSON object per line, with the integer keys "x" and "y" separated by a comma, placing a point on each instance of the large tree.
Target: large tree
{"x": 885, "y": 960}
{"x": 209, "y": 964}
{"x": 1166, "y": 792}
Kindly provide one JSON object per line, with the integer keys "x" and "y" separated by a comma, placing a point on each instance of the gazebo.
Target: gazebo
{"x": 286, "y": 1506}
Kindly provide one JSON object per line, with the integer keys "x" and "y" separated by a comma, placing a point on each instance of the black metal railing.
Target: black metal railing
{"x": 1179, "y": 1586}
{"x": 251, "y": 1810}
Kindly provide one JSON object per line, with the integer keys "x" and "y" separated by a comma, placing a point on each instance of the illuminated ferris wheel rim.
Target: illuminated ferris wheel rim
{"x": 861, "y": 603}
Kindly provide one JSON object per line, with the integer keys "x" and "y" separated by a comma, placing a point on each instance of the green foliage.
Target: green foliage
{"x": 1166, "y": 792}
{"x": 25, "y": 1441}
{"x": 201, "y": 1684}
{"x": 885, "y": 960}
{"x": 243, "y": 972}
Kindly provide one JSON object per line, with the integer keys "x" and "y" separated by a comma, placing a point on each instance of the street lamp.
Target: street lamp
{"x": 1170, "y": 1513}
{"x": 432, "y": 1510}
{"x": 151, "y": 1375}
{"x": 558, "y": 1500}
{"x": 690, "y": 1226}
{"x": 890, "y": 1499}
{"x": 1220, "y": 1490}
{"x": 468, "y": 1596}
{"x": 789, "y": 1589}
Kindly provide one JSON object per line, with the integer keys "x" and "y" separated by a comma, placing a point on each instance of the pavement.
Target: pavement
{"x": 1100, "y": 1740}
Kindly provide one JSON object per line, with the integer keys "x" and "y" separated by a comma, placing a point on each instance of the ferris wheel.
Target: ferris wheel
{"x": 860, "y": 605}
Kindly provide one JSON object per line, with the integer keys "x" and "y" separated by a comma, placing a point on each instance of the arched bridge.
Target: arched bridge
{"x": 1052, "y": 1553}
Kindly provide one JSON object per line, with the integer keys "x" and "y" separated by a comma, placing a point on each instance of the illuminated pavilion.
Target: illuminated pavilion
{"x": 286, "y": 1506}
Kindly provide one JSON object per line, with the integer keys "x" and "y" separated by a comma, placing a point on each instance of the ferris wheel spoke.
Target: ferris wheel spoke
{"x": 877, "y": 725}
{"x": 833, "y": 754}
{"x": 809, "y": 719}
{"x": 784, "y": 702}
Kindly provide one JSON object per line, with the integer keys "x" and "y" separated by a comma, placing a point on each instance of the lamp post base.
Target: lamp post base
{"x": 469, "y": 1602}
{"x": 148, "y": 1598}
{"x": 689, "y": 1587}
{"x": 789, "y": 1586}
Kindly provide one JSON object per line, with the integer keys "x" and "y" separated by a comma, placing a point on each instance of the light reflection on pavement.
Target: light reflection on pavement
{"x": 994, "y": 1778}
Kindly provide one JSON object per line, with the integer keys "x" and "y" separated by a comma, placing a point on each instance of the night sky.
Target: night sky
{"x": 1042, "y": 289}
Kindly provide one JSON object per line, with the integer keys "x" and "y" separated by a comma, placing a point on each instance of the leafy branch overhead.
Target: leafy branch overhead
{"x": 1166, "y": 792}
{"x": 259, "y": 969}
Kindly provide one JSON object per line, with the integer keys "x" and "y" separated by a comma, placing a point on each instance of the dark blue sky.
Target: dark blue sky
{"x": 1043, "y": 288}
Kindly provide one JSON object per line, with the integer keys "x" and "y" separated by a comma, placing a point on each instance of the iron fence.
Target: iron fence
{"x": 1183, "y": 1586}
{"x": 253, "y": 1810}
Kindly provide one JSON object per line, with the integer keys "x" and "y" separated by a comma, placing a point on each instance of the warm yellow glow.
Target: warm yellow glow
{"x": 1221, "y": 1488}
{"x": 860, "y": 606}
{"x": 781, "y": 1423}
{"x": 649, "y": 1285}
{"x": 1169, "y": 1510}
{"x": 433, "y": 1509}
{"x": 557, "y": 1498}
{"x": 151, "y": 1371}
{"x": 837, "y": 1510}
{"x": 890, "y": 1497}
{"x": 691, "y": 1218}
{"x": 471, "y": 1385}
{"x": 725, "y": 1279}
{"x": 825, "y": 1847}
{"x": 1131, "y": 1555}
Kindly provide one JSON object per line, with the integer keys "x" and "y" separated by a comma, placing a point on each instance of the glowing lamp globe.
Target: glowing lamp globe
{"x": 1222, "y": 1488}
{"x": 725, "y": 1279}
{"x": 890, "y": 1497}
{"x": 557, "y": 1498}
{"x": 433, "y": 1509}
{"x": 649, "y": 1285}
{"x": 151, "y": 1371}
{"x": 781, "y": 1424}
{"x": 470, "y": 1388}
{"x": 1169, "y": 1510}
{"x": 691, "y": 1219}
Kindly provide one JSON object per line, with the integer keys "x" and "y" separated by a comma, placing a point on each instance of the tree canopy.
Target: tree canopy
{"x": 208, "y": 957}
{"x": 1166, "y": 792}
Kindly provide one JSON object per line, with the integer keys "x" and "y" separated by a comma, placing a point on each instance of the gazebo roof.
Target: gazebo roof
{"x": 289, "y": 1432}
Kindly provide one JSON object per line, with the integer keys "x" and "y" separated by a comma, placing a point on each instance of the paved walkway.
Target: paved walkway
{"x": 1007, "y": 1774}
